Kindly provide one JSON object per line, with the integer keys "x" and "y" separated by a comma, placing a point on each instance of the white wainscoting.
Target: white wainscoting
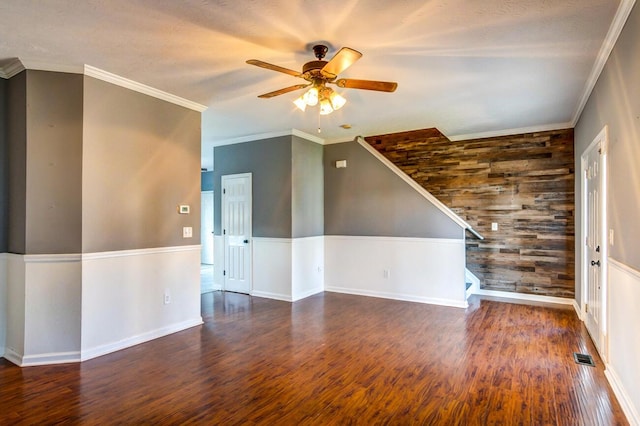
{"x": 14, "y": 341}
{"x": 43, "y": 309}
{"x": 288, "y": 269}
{"x": 72, "y": 307}
{"x": 123, "y": 296}
{"x": 624, "y": 343}
{"x": 3, "y": 302}
{"x": 418, "y": 269}
{"x": 272, "y": 259}
{"x": 307, "y": 267}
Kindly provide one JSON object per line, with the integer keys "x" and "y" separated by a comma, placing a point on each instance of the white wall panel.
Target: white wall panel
{"x": 624, "y": 342}
{"x": 52, "y": 309}
{"x": 417, "y": 269}
{"x": 3, "y": 302}
{"x": 307, "y": 269}
{"x": 123, "y": 296}
{"x": 14, "y": 347}
{"x": 272, "y": 268}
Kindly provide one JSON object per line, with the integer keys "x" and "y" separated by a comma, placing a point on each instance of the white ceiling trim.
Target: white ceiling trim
{"x": 605, "y": 50}
{"x": 18, "y": 65}
{"x": 12, "y": 68}
{"x": 509, "y": 132}
{"x": 269, "y": 135}
{"x": 50, "y": 66}
{"x": 141, "y": 88}
{"x": 307, "y": 136}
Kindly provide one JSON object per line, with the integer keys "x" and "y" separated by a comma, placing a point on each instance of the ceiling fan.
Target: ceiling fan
{"x": 318, "y": 74}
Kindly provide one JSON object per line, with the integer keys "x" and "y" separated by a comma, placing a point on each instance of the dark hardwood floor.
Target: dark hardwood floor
{"x": 332, "y": 359}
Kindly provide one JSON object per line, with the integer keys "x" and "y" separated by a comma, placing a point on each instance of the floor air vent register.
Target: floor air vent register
{"x": 584, "y": 359}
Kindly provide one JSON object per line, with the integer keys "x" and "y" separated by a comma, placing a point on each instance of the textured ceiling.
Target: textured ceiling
{"x": 465, "y": 67}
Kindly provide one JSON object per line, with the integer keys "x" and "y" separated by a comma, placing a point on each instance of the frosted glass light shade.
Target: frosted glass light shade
{"x": 311, "y": 97}
{"x": 337, "y": 101}
{"x": 301, "y": 103}
{"x": 325, "y": 107}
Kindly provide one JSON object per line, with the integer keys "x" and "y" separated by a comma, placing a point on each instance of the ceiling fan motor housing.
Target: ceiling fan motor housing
{"x": 313, "y": 66}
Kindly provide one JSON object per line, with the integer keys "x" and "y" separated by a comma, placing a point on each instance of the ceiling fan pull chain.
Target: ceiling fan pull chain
{"x": 319, "y": 129}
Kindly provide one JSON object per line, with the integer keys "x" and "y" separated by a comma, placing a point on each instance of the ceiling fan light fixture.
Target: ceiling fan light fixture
{"x": 311, "y": 97}
{"x": 318, "y": 74}
{"x": 337, "y": 101}
{"x": 325, "y": 107}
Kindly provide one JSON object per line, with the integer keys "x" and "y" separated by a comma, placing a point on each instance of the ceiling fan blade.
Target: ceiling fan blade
{"x": 272, "y": 67}
{"x": 283, "y": 91}
{"x": 380, "y": 86}
{"x": 340, "y": 62}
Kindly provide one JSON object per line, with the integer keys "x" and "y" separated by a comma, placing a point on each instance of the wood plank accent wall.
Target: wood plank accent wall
{"x": 524, "y": 183}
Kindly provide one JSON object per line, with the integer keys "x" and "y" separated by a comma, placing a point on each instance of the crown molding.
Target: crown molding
{"x": 269, "y": 135}
{"x": 51, "y": 66}
{"x": 307, "y": 136}
{"x": 620, "y": 18}
{"x": 141, "y": 88}
{"x": 12, "y": 68}
{"x": 18, "y": 65}
{"x": 509, "y": 132}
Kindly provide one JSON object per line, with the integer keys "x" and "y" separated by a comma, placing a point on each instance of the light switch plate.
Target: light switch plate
{"x": 187, "y": 232}
{"x": 494, "y": 226}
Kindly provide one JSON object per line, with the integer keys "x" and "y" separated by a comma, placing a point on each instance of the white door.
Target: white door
{"x": 236, "y": 230}
{"x": 595, "y": 249}
{"x": 206, "y": 228}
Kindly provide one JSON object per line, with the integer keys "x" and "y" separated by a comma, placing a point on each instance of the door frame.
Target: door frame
{"x": 223, "y": 219}
{"x": 602, "y": 139}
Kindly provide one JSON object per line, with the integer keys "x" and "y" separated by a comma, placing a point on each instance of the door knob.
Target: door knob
{"x": 246, "y": 241}
{"x": 594, "y": 263}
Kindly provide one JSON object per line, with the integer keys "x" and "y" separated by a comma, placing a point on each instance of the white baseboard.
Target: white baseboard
{"x": 623, "y": 398}
{"x": 579, "y": 312}
{"x": 41, "y": 359}
{"x": 397, "y": 296}
{"x": 136, "y": 340}
{"x": 48, "y": 359}
{"x": 308, "y": 293}
{"x": 527, "y": 297}
{"x": 274, "y": 296}
{"x": 12, "y": 356}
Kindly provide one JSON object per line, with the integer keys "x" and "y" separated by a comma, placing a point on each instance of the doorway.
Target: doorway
{"x": 237, "y": 232}
{"x": 206, "y": 238}
{"x": 594, "y": 253}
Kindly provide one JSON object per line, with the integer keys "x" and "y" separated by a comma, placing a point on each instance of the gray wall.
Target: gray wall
{"x": 17, "y": 157}
{"x": 615, "y": 101}
{"x": 270, "y": 162}
{"x": 307, "y": 199}
{"x": 4, "y": 171}
{"x": 141, "y": 160}
{"x": 54, "y": 163}
{"x": 368, "y": 199}
{"x": 206, "y": 181}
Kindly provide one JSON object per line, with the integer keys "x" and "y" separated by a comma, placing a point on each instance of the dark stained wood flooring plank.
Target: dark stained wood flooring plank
{"x": 332, "y": 359}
